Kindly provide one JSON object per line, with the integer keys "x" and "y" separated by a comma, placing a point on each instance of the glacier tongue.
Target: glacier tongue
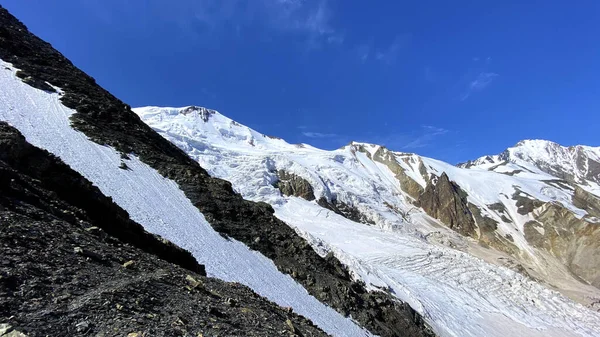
{"x": 155, "y": 202}
{"x": 458, "y": 294}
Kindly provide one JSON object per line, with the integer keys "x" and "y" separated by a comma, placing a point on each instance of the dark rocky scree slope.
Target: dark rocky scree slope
{"x": 70, "y": 267}
{"x": 107, "y": 120}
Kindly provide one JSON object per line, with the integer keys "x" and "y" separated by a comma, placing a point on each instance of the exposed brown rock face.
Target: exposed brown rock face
{"x": 407, "y": 184}
{"x": 573, "y": 241}
{"x": 291, "y": 184}
{"x": 489, "y": 236}
{"x": 347, "y": 211}
{"x": 525, "y": 204}
{"x": 586, "y": 201}
{"x": 445, "y": 201}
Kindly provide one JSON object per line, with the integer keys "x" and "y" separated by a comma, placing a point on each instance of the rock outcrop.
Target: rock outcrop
{"x": 575, "y": 242}
{"x": 447, "y": 202}
{"x": 291, "y": 184}
{"x": 586, "y": 201}
{"x": 408, "y": 185}
{"x": 347, "y": 211}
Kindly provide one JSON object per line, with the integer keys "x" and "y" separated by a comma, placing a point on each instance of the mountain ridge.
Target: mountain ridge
{"x": 184, "y": 110}
{"x": 578, "y": 164}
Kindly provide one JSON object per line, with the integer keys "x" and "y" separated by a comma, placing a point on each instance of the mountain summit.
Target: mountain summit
{"x": 577, "y": 164}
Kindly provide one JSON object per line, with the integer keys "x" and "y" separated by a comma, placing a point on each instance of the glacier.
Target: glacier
{"x": 457, "y": 294}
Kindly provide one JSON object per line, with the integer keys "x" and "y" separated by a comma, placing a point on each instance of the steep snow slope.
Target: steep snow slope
{"x": 155, "y": 202}
{"x": 459, "y": 295}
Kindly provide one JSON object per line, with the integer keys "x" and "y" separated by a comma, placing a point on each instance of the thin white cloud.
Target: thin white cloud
{"x": 390, "y": 54}
{"x": 363, "y": 52}
{"x": 421, "y": 137}
{"x": 483, "y": 80}
{"x": 429, "y": 133}
{"x": 434, "y": 130}
{"x": 310, "y": 134}
{"x": 309, "y": 19}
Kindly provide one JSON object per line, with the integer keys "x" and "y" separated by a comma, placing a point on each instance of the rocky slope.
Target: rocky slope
{"x": 108, "y": 121}
{"x": 73, "y": 263}
{"x": 405, "y": 223}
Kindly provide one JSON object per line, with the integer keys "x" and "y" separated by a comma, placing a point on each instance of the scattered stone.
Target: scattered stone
{"x": 88, "y": 254}
{"x": 215, "y": 312}
{"x": 5, "y": 328}
{"x": 193, "y": 282}
{"x": 82, "y": 326}
{"x": 291, "y": 326}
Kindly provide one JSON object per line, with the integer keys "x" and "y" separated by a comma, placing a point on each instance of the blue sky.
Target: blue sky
{"x": 452, "y": 80}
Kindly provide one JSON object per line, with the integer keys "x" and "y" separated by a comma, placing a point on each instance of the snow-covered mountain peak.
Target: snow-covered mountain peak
{"x": 534, "y": 150}
{"x": 194, "y": 122}
{"x": 545, "y": 150}
{"x": 199, "y": 112}
{"x": 190, "y": 113}
{"x": 577, "y": 164}
{"x": 367, "y": 148}
{"x": 535, "y": 143}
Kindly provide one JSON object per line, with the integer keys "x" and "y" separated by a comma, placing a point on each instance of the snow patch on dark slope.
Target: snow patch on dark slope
{"x": 74, "y": 263}
{"x": 159, "y": 203}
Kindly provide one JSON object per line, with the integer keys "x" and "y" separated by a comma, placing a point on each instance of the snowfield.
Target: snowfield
{"x": 155, "y": 202}
{"x": 458, "y": 294}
